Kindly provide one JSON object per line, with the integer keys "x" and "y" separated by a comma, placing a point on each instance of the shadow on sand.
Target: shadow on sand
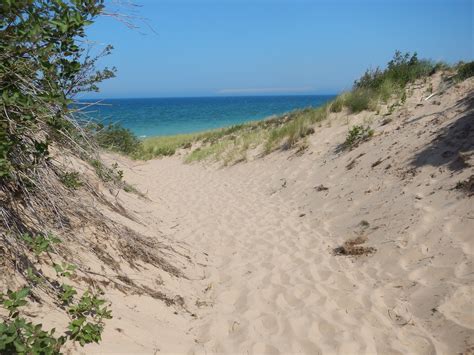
{"x": 453, "y": 145}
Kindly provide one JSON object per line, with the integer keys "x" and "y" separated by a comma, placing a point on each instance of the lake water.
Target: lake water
{"x": 168, "y": 116}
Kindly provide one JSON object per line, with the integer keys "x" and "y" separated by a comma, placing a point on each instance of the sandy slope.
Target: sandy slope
{"x": 261, "y": 234}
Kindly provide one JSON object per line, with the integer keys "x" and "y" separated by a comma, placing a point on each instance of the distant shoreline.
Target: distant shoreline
{"x": 153, "y": 117}
{"x": 201, "y": 97}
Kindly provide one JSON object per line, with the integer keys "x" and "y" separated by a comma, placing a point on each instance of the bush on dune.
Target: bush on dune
{"x": 116, "y": 138}
{"x": 44, "y": 62}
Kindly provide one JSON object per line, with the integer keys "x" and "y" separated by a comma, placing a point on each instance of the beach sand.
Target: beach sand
{"x": 263, "y": 277}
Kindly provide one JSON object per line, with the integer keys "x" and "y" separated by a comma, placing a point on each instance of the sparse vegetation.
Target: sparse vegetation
{"x": 356, "y": 135}
{"x": 337, "y": 104}
{"x": 18, "y": 335}
{"x": 71, "y": 180}
{"x": 464, "y": 71}
{"x": 466, "y": 186}
{"x": 375, "y": 87}
{"x": 40, "y": 243}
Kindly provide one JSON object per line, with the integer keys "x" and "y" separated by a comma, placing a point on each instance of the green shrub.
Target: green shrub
{"x": 401, "y": 70}
{"x": 356, "y": 135}
{"x": 17, "y": 335}
{"x": 40, "y": 243}
{"x": 117, "y": 138}
{"x": 43, "y": 64}
{"x": 381, "y": 85}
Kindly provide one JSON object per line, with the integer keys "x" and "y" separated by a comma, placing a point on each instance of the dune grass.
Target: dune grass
{"x": 232, "y": 144}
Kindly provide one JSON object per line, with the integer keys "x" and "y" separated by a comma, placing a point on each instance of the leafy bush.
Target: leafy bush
{"x": 40, "y": 243}
{"x": 117, "y": 138}
{"x": 42, "y": 66}
{"x": 17, "y": 335}
{"x": 401, "y": 70}
{"x": 356, "y": 135}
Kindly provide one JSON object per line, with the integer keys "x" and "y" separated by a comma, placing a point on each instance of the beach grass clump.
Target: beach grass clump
{"x": 337, "y": 104}
{"x": 358, "y": 100}
{"x": 164, "y": 145}
{"x": 160, "y": 146}
{"x": 401, "y": 70}
{"x": 464, "y": 71}
{"x": 214, "y": 150}
{"x": 231, "y": 147}
{"x": 298, "y": 125}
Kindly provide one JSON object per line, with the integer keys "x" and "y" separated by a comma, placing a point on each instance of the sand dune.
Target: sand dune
{"x": 261, "y": 236}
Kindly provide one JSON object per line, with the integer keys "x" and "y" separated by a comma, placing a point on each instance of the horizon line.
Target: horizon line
{"x": 201, "y": 97}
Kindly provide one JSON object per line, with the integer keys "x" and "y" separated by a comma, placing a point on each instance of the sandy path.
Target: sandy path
{"x": 263, "y": 235}
{"x": 271, "y": 285}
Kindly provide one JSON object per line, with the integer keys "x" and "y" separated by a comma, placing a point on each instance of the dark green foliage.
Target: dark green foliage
{"x": 42, "y": 64}
{"x": 88, "y": 314}
{"x": 465, "y": 70}
{"x": 17, "y": 335}
{"x": 65, "y": 269}
{"x": 117, "y": 138}
{"x": 13, "y": 300}
{"x": 40, "y": 243}
{"x": 401, "y": 70}
{"x": 356, "y": 135}
{"x": 380, "y": 85}
{"x": 67, "y": 294}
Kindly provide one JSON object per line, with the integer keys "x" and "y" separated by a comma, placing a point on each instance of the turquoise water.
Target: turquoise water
{"x": 167, "y": 116}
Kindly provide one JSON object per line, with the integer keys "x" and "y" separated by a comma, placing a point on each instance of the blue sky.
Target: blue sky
{"x": 258, "y": 47}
